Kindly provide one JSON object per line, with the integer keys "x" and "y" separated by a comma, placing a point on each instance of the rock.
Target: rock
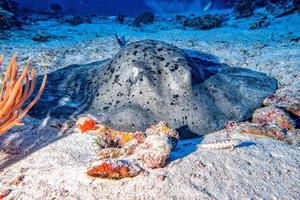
{"x": 272, "y": 115}
{"x": 121, "y": 19}
{"x": 113, "y": 169}
{"x": 261, "y": 3}
{"x": 151, "y": 81}
{"x": 289, "y": 11}
{"x": 288, "y": 99}
{"x": 4, "y": 193}
{"x": 5, "y": 19}
{"x": 144, "y": 18}
{"x": 281, "y": 8}
{"x": 8, "y": 17}
{"x": 262, "y": 23}
{"x": 278, "y": 1}
{"x": 180, "y": 18}
{"x": 161, "y": 177}
{"x": 205, "y": 22}
{"x": 45, "y": 37}
{"x": 150, "y": 148}
{"x": 76, "y": 20}
{"x": 268, "y": 130}
{"x": 295, "y": 39}
{"x": 41, "y": 37}
{"x": 244, "y": 8}
{"x": 271, "y": 121}
{"x": 57, "y": 8}
{"x": 9, "y": 5}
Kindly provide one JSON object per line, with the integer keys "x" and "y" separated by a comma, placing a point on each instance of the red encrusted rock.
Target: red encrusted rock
{"x": 123, "y": 151}
{"x": 154, "y": 152}
{"x": 4, "y": 194}
{"x": 287, "y": 99}
{"x": 158, "y": 144}
{"x": 273, "y": 115}
{"x": 112, "y": 152}
{"x": 114, "y": 169}
{"x": 269, "y": 130}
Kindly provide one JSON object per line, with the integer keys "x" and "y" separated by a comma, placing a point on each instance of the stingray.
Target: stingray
{"x": 150, "y": 81}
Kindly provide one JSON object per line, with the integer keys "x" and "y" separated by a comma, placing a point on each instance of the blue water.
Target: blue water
{"x": 126, "y": 7}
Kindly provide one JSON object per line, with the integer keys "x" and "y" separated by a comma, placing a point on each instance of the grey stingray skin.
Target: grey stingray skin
{"x": 149, "y": 81}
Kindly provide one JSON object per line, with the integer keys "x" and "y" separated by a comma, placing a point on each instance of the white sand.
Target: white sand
{"x": 52, "y": 164}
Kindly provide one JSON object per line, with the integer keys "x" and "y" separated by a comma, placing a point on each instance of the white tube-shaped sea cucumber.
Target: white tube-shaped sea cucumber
{"x": 230, "y": 144}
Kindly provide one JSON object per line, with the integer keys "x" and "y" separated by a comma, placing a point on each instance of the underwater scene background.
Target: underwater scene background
{"x": 127, "y": 7}
{"x": 149, "y": 99}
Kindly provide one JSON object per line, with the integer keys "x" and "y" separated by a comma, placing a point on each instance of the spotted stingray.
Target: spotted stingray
{"x": 150, "y": 81}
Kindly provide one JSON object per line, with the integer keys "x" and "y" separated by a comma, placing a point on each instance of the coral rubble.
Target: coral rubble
{"x": 205, "y": 22}
{"x": 244, "y": 8}
{"x": 8, "y": 18}
{"x": 123, "y": 151}
{"x": 42, "y": 37}
{"x": 261, "y": 23}
{"x": 277, "y": 120}
{"x": 5, "y": 19}
{"x": 57, "y": 8}
{"x": 144, "y": 18}
{"x": 273, "y": 115}
{"x": 114, "y": 169}
{"x": 287, "y": 99}
{"x": 268, "y": 130}
{"x": 76, "y": 20}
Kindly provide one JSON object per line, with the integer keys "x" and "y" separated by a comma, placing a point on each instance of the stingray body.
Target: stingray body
{"x": 150, "y": 81}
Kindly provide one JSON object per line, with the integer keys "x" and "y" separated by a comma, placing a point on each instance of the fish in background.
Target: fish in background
{"x": 184, "y": 6}
{"x": 175, "y": 6}
{"x": 208, "y": 6}
{"x": 216, "y": 4}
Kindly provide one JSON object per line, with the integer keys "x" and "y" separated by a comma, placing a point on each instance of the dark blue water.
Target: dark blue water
{"x": 126, "y": 7}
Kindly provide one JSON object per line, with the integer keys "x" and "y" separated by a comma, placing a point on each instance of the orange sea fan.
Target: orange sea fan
{"x": 13, "y": 95}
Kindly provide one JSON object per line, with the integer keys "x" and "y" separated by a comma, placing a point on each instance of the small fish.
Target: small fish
{"x": 208, "y": 5}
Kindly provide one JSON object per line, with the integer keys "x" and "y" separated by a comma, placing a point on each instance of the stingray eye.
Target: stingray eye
{"x": 134, "y": 74}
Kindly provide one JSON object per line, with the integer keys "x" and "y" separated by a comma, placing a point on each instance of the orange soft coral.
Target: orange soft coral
{"x": 13, "y": 95}
{"x": 87, "y": 124}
